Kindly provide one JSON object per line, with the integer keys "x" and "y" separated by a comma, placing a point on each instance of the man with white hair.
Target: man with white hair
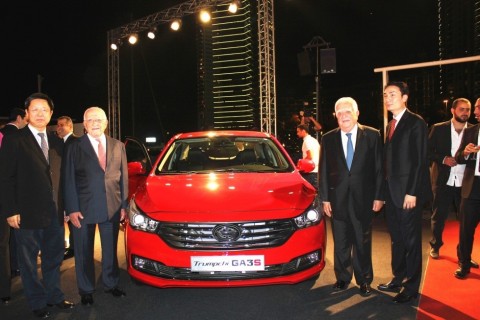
{"x": 351, "y": 185}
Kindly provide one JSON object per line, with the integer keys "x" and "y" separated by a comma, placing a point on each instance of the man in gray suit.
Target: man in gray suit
{"x": 351, "y": 189}
{"x": 95, "y": 184}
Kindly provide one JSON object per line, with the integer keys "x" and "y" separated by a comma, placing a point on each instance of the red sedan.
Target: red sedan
{"x": 222, "y": 209}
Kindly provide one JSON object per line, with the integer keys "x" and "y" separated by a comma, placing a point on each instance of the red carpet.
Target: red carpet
{"x": 443, "y": 295}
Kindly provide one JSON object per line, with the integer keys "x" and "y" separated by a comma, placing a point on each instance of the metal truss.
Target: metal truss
{"x": 266, "y": 57}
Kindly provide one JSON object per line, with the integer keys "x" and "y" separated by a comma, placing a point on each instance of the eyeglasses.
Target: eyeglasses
{"x": 90, "y": 121}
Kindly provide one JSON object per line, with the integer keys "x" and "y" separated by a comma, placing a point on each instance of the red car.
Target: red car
{"x": 222, "y": 209}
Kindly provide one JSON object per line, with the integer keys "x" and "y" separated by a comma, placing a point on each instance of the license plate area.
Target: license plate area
{"x": 241, "y": 263}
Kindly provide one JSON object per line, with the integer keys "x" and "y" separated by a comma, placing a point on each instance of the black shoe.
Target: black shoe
{"x": 340, "y": 285}
{"x": 434, "y": 253}
{"x": 403, "y": 297}
{"x": 87, "y": 299}
{"x": 5, "y": 300}
{"x": 116, "y": 292}
{"x": 15, "y": 273}
{"x": 461, "y": 273}
{"x": 365, "y": 289}
{"x": 65, "y": 304}
{"x": 41, "y": 313}
{"x": 68, "y": 254}
{"x": 390, "y": 287}
{"x": 473, "y": 264}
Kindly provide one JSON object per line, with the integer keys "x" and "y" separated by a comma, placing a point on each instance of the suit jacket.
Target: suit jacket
{"x": 363, "y": 182}
{"x": 439, "y": 147}
{"x": 406, "y": 162}
{"x": 30, "y": 184}
{"x": 8, "y": 129}
{"x": 98, "y": 195}
{"x": 470, "y": 135}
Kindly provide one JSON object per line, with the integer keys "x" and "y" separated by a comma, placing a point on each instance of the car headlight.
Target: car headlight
{"x": 309, "y": 217}
{"x": 139, "y": 221}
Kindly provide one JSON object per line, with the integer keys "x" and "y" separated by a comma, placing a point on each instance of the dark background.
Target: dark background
{"x": 65, "y": 42}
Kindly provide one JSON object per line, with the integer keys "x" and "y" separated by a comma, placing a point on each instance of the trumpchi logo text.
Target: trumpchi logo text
{"x": 227, "y": 232}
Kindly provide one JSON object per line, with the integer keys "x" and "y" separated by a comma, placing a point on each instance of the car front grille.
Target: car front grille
{"x": 218, "y": 236}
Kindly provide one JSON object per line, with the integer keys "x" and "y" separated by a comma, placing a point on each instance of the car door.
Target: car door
{"x": 139, "y": 163}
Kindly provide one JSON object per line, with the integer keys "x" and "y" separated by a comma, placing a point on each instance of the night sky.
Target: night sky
{"x": 65, "y": 43}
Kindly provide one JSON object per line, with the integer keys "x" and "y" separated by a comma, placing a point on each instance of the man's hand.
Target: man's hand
{"x": 327, "y": 208}
{"x": 410, "y": 202}
{"x": 75, "y": 219}
{"x": 377, "y": 205}
{"x": 450, "y": 161}
{"x": 14, "y": 221}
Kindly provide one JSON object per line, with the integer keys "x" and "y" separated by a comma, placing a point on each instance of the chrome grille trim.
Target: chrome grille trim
{"x": 199, "y": 236}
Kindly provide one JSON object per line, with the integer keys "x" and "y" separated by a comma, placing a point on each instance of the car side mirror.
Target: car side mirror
{"x": 136, "y": 168}
{"x": 305, "y": 165}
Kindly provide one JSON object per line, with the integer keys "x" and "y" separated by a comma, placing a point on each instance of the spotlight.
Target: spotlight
{"x": 133, "y": 38}
{"x": 114, "y": 46}
{"x": 205, "y": 16}
{"x": 151, "y": 33}
{"x": 233, "y": 6}
{"x": 176, "y": 24}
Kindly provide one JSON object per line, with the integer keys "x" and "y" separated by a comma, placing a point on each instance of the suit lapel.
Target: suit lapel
{"x": 30, "y": 139}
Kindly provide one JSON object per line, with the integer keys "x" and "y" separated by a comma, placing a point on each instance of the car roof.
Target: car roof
{"x": 216, "y": 133}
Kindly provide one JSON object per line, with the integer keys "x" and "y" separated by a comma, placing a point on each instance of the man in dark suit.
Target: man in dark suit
{"x": 30, "y": 162}
{"x": 16, "y": 120}
{"x": 96, "y": 191}
{"x": 65, "y": 131}
{"x": 408, "y": 189}
{"x": 470, "y": 205}
{"x": 8, "y": 249}
{"x": 351, "y": 193}
{"x": 443, "y": 142}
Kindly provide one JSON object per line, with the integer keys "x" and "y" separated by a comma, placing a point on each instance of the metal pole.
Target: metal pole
{"x": 317, "y": 91}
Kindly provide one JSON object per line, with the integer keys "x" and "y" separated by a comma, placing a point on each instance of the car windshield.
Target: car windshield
{"x": 223, "y": 154}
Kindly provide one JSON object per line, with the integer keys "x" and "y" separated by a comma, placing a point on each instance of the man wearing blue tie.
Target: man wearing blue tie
{"x": 351, "y": 182}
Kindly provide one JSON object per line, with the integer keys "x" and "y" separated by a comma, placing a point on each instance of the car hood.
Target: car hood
{"x": 249, "y": 193}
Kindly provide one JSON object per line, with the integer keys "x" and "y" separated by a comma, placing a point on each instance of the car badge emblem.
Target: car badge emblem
{"x": 227, "y": 232}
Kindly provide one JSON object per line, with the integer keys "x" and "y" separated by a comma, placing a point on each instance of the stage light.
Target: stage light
{"x": 151, "y": 33}
{"x": 133, "y": 38}
{"x": 233, "y": 6}
{"x": 176, "y": 24}
{"x": 205, "y": 16}
{"x": 114, "y": 46}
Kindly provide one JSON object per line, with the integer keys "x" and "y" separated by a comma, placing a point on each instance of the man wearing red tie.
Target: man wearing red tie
{"x": 408, "y": 188}
{"x": 95, "y": 184}
{"x": 470, "y": 205}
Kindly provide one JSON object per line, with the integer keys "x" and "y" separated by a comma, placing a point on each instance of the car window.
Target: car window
{"x": 207, "y": 154}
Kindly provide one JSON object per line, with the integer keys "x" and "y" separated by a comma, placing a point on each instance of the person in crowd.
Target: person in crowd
{"x": 95, "y": 184}
{"x": 311, "y": 151}
{"x": 30, "y": 164}
{"x": 470, "y": 204}
{"x": 446, "y": 174}
{"x": 351, "y": 190}
{"x": 65, "y": 131}
{"x": 307, "y": 119}
{"x": 407, "y": 190}
{"x": 16, "y": 120}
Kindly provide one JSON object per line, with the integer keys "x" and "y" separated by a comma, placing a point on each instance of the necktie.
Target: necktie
{"x": 393, "y": 124}
{"x": 102, "y": 158}
{"x": 349, "y": 150}
{"x": 43, "y": 145}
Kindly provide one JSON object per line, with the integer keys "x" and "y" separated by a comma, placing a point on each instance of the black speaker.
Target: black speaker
{"x": 328, "y": 61}
{"x": 304, "y": 63}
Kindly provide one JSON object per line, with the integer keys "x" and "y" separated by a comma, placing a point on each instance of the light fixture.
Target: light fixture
{"x": 205, "y": 16}
{"x": 114, "y": 46}
{"x": 234, "y": 6}
{"x": 133, "y": 38}
{"x": 151, "y": 33}
{"x": 176, "y": 24}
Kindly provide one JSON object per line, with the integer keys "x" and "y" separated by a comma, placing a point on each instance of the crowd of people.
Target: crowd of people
{"x": 49, "y": 179}
{"x": 358, "y": 175}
